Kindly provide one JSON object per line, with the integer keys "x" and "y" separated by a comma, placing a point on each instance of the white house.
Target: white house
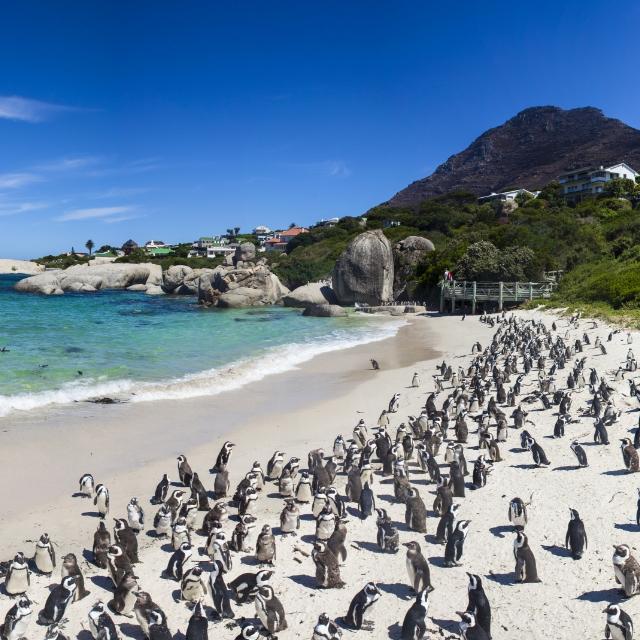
{"x": 505, "y": 196}
{"x": 330, "y": 222}
{"x": 589, "y": 181}
{"x": 155, "y": 244}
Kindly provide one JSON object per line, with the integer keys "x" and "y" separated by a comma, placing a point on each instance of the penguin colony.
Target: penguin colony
{"x": 221, "y": 561}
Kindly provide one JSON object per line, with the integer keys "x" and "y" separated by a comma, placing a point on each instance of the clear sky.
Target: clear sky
{"x": 175, "y": 119}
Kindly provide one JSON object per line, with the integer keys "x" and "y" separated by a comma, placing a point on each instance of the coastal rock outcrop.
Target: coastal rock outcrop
{"x": 87, "y": 278}
{"x": 20, "y": 266}
{"x": 245, "y": 252}
{"x": 232, "y": 287}
{"x": 182, "y": 280}
{"x": 310, "y": 294}
{"x": 364, "y": 272}
{"x": 407, "y": 254}
{"x": 324, "y": 311}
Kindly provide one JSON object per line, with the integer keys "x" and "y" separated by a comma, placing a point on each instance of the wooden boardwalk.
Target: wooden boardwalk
{"x": 499, "y": 292}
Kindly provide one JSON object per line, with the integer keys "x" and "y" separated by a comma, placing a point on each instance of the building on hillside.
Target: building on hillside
{"x": 507, "y": 196}
{"x": 221, "y": 250}
{"x": 329, "y": 222}
{"x": 262, "y": 232}
{"x": 589, "y": 181}
{"x": 209, "y": 241}
{"x": 159, "y": 252}
{"x": 129, "y": 246}
{"x": 280, "y": 239}
{"x": 154, "y": 244}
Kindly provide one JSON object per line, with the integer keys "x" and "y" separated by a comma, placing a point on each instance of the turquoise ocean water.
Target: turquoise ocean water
{"x": 75, "y": 347}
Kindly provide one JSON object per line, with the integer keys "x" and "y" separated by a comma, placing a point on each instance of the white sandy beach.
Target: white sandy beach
{"x": 128, "y": 447}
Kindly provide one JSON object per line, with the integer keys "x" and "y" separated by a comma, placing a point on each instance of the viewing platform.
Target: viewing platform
{"x": 499, "y": 292}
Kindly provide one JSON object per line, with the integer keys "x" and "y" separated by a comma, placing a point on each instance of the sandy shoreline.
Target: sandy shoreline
{"x": 128, "y": 447}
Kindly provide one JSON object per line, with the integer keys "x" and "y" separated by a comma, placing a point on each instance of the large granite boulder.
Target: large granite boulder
{"x": 245, "y": 252}
{"x": 88, "y": 277}
{"x": 20, "y": 266}
{"x": 240, "y": 287}
{"x": 364, "y": 272}
{"x": 325, "y": 311}
{"x": 182, "y": 280}
{"x": 310, "y": 294}
{"x": 407, "y": 255}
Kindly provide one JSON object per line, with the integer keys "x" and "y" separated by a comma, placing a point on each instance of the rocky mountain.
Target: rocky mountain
{"x": 529, "y": 151}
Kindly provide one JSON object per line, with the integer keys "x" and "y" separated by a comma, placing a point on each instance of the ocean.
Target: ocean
{"x": 130, "y": 346}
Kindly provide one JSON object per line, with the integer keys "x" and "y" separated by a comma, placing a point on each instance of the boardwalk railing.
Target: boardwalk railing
{"x": 499, "y": 292}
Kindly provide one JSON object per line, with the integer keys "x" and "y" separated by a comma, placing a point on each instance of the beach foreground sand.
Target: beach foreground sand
{"x": 129, "y": 447}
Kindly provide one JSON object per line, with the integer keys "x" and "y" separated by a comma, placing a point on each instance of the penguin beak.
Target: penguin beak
{"x": 460, "y": 613}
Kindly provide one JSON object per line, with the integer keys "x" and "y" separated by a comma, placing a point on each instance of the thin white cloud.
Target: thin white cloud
{"x": 28, "y": 110}
{"x": 120, "y": 219}
{"x": 328, "y": 168}
{"x": 338, "y": 169}
{"x": 92, "y": 213}
{"x": 70, "y": 163}
{"x": 18, "y": 179}
{"x": 16, "y": 208}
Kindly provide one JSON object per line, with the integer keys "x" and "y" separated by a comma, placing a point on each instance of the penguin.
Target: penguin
{"x": 367, "y": 502}
{"x": 275, "y": 465}
{"x": 469, "y": 627}
{"x": 70, "y": 567}
{"x": 455, "y": 544}
{"x": 193, "y": 587}
{"x": 59, "y": 598}
{"x": 162, "y": 490}
{"x": 447, "y": 524}
{"x": 525, "y": 570}
{"x": 285, "y": 484}
{"x": 580, "y": 453}
{"x": 247, "y": 503}
{"x": 336, "y": 502}
{"x": 456, "y": 479}
{"x": 394, "y": 403}
{"x": 145, "y": 610}
{"x": 218, "y": 549}
{"x": 416, "y": 512}
{"x": 362, "y": 601}
{"x": 240, "y": 535}
{"x": 219, "y": 591}
{"x": 221, "y": 484}
{"x": 481, "y": 470}
{"x": 479, "y": 604}
{"x": 184, "y": 470}
{"x": 629, "y": 455}
{"x": 135, "y": 515}
{"x": 417, "y": 567}
{"x": 576, "y": 538}
{"x": 126, "y": 538}
{"x": 45, "y": 555}
{"x": 539, "y": 456}
{"x": 414, "y": 625}
{"x": 269, "y": 610}
{"x": 18, "y": 578}
{"x": 326, "y": 629}
{"x": 101, "y": 500}
{"x": 600, "y": 435}
{"x": 222, "y": 461}
{"x": 444, "y": 496}
{"x": 119, "y": 563}
{"x": 388, "y": 537}
{"x": 353, "y": 487}
{"x": 197, "y": 628}
{"x": 243, "y": 587}
{"x": 304, "y": 495}
{"x": 124, "y": 598}
{"x": 199, "y": 492}
{"x": 17, "y": 620}
{"x": 180, "y": 534}
{"x": 619, "y": 625}
{"x": 100, "y": 623}
{"x": 320, "y": 500}
{"x": 327, "y": 568}
{"x": 162, "y": 521}
{"x": 266, "y": 546}
{"x": 174, "y": 503}
{"x": 336, "y": 543}
{"x": 627, "y": 570}
{"x": 101, "y": 544}
{"x": 325, "y": 523}
{"x": 157, "y": 625}
{"x": 415, "y": 381}
{"x": 177, "y": 561}
{"x": 87, "y": 485}
{"x": 249, "y": 632}
{"x": 219, "y": 514}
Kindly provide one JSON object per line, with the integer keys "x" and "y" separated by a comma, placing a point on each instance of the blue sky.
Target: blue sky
{"x": 171, "y": 120}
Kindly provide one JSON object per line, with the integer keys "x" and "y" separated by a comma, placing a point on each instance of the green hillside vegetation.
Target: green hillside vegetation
{"x": 595, "y": 242}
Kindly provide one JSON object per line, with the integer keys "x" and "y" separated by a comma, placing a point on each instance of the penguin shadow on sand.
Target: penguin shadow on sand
{"x": 85, "y": 634}
{"x": 530, "y": 465}
{"x": 631, "y": 527}
{"x": 615, "y": 472}
{"x": 372, "y": 547}
{"x": 91, "y": 514}
{"x": 168, "y": 547}
{"x": 398, "y": 589}
{"x": 308, "y": 538}
{"x": 251, "y": 561}
{"x": 505, "y": 579}
{"x": 303, "y": 580}
{"x": 395, "y": 631}
{"x": 450, "y": 626}
{"x": 557, "y": 550}
{"x": 129, "y": 630}
{"x": 103, "y": 582}
{"x": 610, "y": 596}
{"x": 500, "y": 531}
{"x": 567, "y": 467}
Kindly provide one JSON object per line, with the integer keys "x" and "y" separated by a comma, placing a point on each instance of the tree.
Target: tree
{"x": 73, "y": 251}
{"x": 292, "y": 225}
{"x": 236, "y": 231}
{"x": 89, "y": 245}
{"x": 620, "y": 188}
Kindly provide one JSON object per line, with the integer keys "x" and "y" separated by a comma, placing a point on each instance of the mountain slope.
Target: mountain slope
{"x": 529, "y": 151}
